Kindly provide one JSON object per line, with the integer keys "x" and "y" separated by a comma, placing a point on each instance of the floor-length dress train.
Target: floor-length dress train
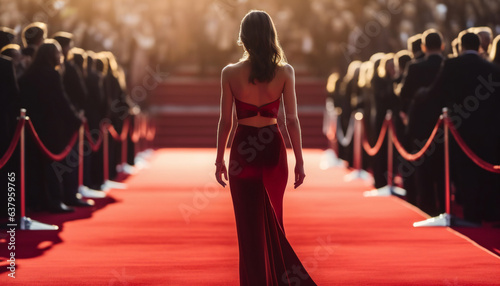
{"x": 258, "y": 174}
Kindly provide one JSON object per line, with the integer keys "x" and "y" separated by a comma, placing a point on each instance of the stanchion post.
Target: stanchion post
{"x": 447, "y": 162}
{"x": 445, "y": 218}
{"x": 358, "y": 172}
{"x": 27, "y": 223}
{"x": 358, "y": 132}
{"x": 105, "y": 151}
{"x": 22, "y": 171}
{"x": 388, "y": 118}
{"x": 124, "y": 151}
{"x": 389, "y": 189}
{"x": 80, "y": 156}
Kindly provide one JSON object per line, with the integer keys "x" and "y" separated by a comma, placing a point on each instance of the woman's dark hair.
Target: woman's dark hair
{"x": 262, "y": 49}
{"x": 495, "y": 50}
{"x": 46, "y": 56}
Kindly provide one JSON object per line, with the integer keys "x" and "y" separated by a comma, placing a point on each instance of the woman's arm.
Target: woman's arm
{"x": 293, "y": 124}
{"x": 225, "y": 125}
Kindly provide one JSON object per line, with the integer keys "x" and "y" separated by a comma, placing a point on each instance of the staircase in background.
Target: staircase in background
{"x": 186, "y": 110}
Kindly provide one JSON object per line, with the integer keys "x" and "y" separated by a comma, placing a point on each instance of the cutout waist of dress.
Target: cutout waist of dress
{"x": 246, "y": 110}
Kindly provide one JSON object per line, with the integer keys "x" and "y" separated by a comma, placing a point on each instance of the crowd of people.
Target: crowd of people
{"x": 61, "y": 87}
{"x": 203, "y": 34}
{"x": 416, "y": 84}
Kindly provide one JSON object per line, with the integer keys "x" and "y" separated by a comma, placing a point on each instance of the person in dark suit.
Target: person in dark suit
{"x": 13, "y": 51}
{"x": 32, "y": 37}
{"x": 485, "y": 35}
{"x": 7, "y": 36}
{"x": 469, "y": 87}
{"x": 347, "y": 104}
{"x": 422, "y": 116}
{"x": 75, "y": 88}
{"x": 9, "y": 110}
{"x": 415, "y": 46}
{"x": 115, "y": 91}
{"x": 94, "y": 81}
{"x": 495, "y": 51}
{"x": 384, "y": 100}
{"x": 54, "y": 118}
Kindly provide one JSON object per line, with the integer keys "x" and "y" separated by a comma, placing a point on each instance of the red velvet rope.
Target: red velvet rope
{"x": 50, "y": 155}
{"x": 5, "y": 158}
{"x": 372, "y": 151}
{"x": 93, "y": 145}
{"x": 114, "y": 133}
{"x": 476, "y": 159}
{"x": 408, "y": 156}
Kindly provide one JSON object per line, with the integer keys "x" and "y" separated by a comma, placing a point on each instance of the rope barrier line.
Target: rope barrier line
{"x": 409, "y": 156}
{"x": 346, "y": 139}
{"x": 475, "y": 158}
{"x": 93, "y": 145}
{"x": 123, "y": 135}
{"x": 50, "y": 155}
{"x": 10, "y": 150}
{"x": 372, "y": 151}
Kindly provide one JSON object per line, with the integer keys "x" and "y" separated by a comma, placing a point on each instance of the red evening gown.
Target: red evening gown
{"x": 258, "y": 175}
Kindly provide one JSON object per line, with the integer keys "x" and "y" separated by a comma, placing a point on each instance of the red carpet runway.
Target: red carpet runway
{"x": 174, "y": 226}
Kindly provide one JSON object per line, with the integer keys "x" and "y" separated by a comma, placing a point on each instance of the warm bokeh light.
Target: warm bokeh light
{"x": 199, "y": 37}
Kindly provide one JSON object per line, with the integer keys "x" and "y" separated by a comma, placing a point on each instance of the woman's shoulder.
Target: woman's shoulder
{"x": 234, "y": 69}
{"x": 235, "y": 66}
{"x": 286, "y": 70}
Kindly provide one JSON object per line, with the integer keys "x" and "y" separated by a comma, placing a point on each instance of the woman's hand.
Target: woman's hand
{"x": 299, "y": 175}
{"x": 221, "y": 169}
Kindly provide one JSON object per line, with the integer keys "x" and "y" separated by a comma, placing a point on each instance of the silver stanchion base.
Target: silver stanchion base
{"x": 89, "y": 193}
{"x": 358, "y": 175}
{"x": 445, "y": 220}
{"x": 385, "y": 192}
{"x": 30, "y": 224}
{"x": 113, "y": 185}
{"x": 126, "y": 168}
{"x": 441, "y": 220}
{"x": 330, "y": 160}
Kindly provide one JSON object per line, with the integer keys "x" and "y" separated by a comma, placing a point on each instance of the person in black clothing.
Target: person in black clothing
{"x": 75, "y": 88}
{"x": 9, "y": 111}
{"x": 485, "y": 36}
{"x": 32, "y": 37}
{"x": 469, "y": 87}
{"x": 384, "y": 100}
{"x": 346, "y": 105}
{"x": 115, "y": 91}
{"x": 54, "y": 118}
{"x": 7, "y": 36}
{"x": 415, "y": 46}
{"x": 98, "y": 112}
{"x": 95, "y": 108}
{"x": 13, "y": 51}
{"x": 495, "y": 50}
{"x": 422, "y": 117}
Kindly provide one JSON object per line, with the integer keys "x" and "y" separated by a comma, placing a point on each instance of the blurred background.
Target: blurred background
{"x": 187, "y": 42}
{"x": 200, "y": 35}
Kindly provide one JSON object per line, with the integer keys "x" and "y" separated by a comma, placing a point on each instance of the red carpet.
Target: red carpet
{"x": 141, "y": 237}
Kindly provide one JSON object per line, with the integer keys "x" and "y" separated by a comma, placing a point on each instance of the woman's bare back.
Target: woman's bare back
{"x": 257, "y": 94}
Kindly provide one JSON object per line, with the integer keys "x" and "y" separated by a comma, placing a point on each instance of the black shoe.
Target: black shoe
{"x": 61, "y": 208}
{"x": 80, "y": 203}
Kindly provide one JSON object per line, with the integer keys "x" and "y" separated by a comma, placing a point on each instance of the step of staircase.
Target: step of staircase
{"x": 186, "y": 112}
